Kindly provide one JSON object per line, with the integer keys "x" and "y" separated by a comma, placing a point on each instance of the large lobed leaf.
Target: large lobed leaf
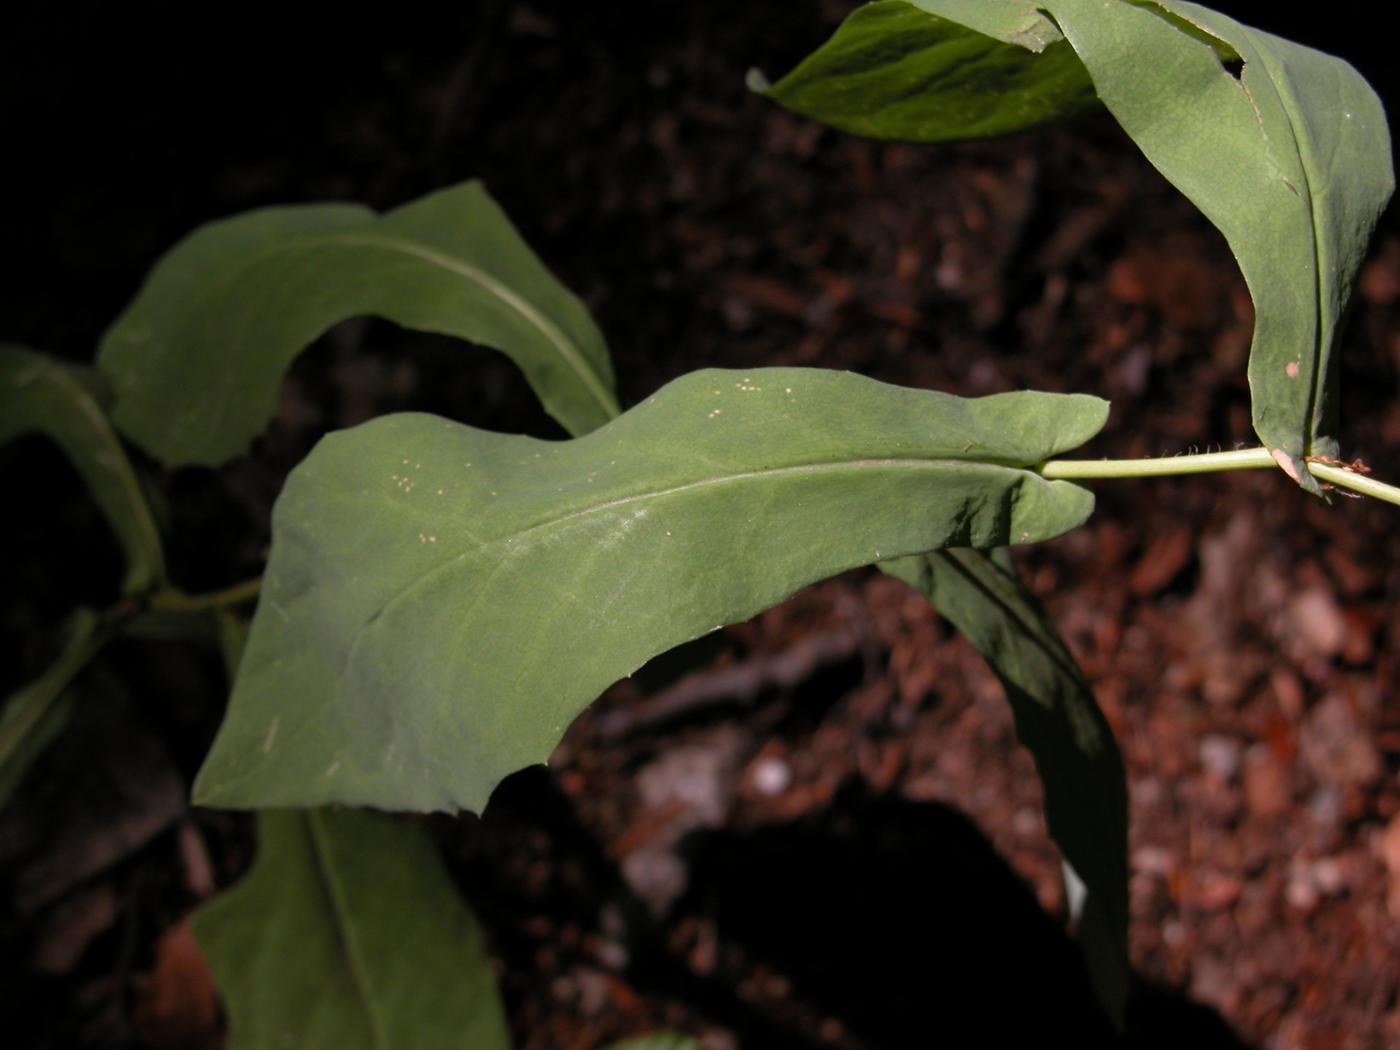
{"x": 197, "y": 358}
{"x": 348, "y": 933}
{"x": 1286, "y": 150}
{"x": 1059, "y": 722}
{"x": 441, "y": 602}
{"x": 65, "y": 403}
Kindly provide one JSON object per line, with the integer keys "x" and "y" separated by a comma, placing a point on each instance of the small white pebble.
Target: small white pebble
{"x": 771, "y": 776}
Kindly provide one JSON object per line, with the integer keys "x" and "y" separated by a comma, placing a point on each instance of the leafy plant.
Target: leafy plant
{"x": 441, "y": 601}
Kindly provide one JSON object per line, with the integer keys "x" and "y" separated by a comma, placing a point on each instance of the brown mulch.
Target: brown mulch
{"x": 815, "y": 829}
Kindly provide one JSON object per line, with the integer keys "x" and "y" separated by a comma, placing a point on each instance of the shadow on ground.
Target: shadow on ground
{"x": 901, "y": 921}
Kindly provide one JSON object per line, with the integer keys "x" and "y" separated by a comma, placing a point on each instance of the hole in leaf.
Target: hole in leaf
{"x": 1230, "y": 59}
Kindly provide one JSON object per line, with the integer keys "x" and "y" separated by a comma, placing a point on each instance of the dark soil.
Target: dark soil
{"x": 815, "y": 829}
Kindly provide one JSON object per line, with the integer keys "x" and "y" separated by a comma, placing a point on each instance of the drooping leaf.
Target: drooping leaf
{"x": 894, "y": 71}
{"x": 32, "y": 717}
{"x": 1291, "y": 161}
{"x": 197, "y": 358}
{"x": 658, "y": 1041}
{"x": 1285, "y": 149}
{"x": 441, "y": 602}
{"x": 348, "y": 933}
{"x": 65, "y": 403}
{"x": 1059, "y": 722}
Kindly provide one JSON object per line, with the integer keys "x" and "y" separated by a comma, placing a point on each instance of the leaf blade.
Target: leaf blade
{"x": 39, "y": 710}
{"x": 197, "y": 358}
{"x": 1059, "y": 722}
{"x": 39, "y": 394}
{"x": 1289, "y": 159}
{"x": 347, "y": 932}
{"x": 1291, "y": 162}
{"x": 451, "y": 635}
{"x": 924, "y": 73}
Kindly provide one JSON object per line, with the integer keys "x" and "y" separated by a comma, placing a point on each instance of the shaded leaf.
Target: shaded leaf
{"x": 41, "y": 395}
{"x": 441, "y": 602}
{"x": 1059, "y": 722}
{"x": 895, "y": 71}
{"x": 1285, "y": 149}
{"x": 348, "y": 933}
{"x": 197, "y": 359}
{"x": 32, "y": 717}
{"x": 231, "y": 632}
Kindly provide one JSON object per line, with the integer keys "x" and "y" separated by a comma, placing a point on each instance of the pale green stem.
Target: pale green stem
{"x": 1358, "y": 482}
{"x": 1207, "y": 463}
{"x": 1199, "y": 463}
{"x": 174, "y": 601}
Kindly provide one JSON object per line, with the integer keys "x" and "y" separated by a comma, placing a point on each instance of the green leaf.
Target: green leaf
{"x": 658, "y": 1041}
{"x": 441, "y": 602}
{"x": 32, "y": 717}
{"x": 894, "y": 71}
{"x": 197, "y": 358}
{"x": 1285, "y": 149}
{"x": 1059, "y": 722}
{"x": 41, "y": 395}
{"x": 348, "y": 933}
{"x": 1291, "y": 161}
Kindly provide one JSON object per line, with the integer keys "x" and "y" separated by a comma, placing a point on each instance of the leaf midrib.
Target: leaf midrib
{"x": 568, "y": 350}
{"x": 1303, "y": 143}
{"x": 340, "y": 912}
{"x": 984, "y": 579}
{"x": 793, "y": 470}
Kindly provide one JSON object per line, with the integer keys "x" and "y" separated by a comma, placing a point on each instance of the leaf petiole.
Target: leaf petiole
{"x": 1209, "y": 463}
{"x": 174, "y": 601}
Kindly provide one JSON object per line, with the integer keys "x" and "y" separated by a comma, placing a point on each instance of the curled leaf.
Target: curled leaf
{"x": 66, "y": 403}
{"x": 197, "y": 358}
{"x": 1285, "y": 149}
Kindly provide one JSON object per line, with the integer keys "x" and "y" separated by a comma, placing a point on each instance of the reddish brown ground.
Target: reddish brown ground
{"x": 801, "y": 853}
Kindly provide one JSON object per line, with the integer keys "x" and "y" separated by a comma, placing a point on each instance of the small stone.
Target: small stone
{"x": 1330, "y": 875}
{"x": 770, "y": 776}
{"x": 1301, "y": 894}
{"x": 1153, "y": 860}
{"x": 1317, "y": 622}
{"x": 1213, "y": 982}
{"x": 1388, "y": 846}
{"x": 1288, "y": 690}
{"x": 657, "y": 876}
{"x": 1214, "y": 890}
{"x": 1267, "y": 790}
{"x": 1220, "y": 755}
{"x": 1336, "y": 747}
